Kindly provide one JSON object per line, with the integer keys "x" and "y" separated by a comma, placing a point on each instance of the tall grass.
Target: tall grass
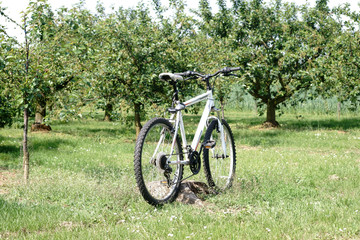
{"x": 297, "y": 182}
{"x": 241, "y": 100}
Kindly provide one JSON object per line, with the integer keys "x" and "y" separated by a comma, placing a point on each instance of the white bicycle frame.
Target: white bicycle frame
{"x": 179, "y": 124}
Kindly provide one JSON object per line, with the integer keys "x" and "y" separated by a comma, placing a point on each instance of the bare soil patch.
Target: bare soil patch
{"x": 194, "y": 192}
{"x": 39, "y": 127}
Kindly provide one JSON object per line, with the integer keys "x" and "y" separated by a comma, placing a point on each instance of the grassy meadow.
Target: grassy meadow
{"x": 300, "y": 181}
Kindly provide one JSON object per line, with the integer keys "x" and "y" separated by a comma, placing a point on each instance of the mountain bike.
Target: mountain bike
{"x": 160, "y": 153}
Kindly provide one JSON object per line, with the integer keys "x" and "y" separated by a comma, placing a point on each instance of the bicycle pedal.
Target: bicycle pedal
{"x": 210, "y": 144}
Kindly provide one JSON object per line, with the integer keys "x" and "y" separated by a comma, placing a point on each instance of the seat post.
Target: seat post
{"x": 176, "y": 92}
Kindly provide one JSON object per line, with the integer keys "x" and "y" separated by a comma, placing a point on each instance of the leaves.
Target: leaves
{"x": 79, "y": 57}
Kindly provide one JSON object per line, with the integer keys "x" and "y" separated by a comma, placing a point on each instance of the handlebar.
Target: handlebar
{"x": 225, "y": 71}
{"x": 190, "y": 74}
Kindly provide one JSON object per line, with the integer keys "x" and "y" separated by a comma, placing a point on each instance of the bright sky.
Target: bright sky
{"x": 14, "y": 7}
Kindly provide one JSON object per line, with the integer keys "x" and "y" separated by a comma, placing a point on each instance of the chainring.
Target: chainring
{"x": 195, "y": 162}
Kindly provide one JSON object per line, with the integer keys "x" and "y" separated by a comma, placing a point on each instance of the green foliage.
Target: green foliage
{"x": 216, "y": 30}
{"x": 340, "y": 69}
{"x": 7, "y": 97}
{"x": 217, "y": 25}
{"x": 277, "y": 45}
{"x": 104, "y": 59}
{"x": 60, "y": 50}
{"x": 7, "y": 112}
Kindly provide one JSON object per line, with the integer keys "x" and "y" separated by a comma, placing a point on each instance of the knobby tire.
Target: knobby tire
{"x": 149, "y": 178}
{"x": 219, "y": 172}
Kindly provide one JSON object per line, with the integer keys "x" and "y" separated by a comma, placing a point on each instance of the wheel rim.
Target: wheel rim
{"x": 153, "y": 176}
{"x": 221, "y": 167}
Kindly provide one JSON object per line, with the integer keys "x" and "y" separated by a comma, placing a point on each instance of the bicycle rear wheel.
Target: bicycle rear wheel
{"x": 158, "y": 183}
{"x": 219, "y": 168}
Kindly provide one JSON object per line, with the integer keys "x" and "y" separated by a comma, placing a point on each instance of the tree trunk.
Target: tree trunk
{"x": 271, "y": 115}
{"x": 137, "y": 108}
{"x": 26, "y": 157}
{"x": 108, "y": 112}
{"x": 40, "y": 111}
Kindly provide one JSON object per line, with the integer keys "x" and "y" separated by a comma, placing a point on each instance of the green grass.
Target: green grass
{"x": 297, "y": 182}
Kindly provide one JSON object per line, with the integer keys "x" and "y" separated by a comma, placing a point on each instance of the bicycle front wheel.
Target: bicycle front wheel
{"x": 219, "y": 167}
{"x": 158, "y": 182}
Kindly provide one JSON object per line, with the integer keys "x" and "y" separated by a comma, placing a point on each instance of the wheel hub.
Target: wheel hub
{"x": 161, "y": 162}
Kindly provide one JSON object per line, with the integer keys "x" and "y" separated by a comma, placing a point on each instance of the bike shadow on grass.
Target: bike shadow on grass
{"x": 299, "y": 124}
{"x": 251, "y": 132}
{"x": 345, "y": 124}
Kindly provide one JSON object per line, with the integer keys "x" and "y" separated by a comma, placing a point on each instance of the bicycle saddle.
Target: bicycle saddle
{"x": 170, "y": 76}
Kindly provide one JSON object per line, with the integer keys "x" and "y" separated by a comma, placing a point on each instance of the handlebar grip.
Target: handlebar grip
{"x": 230, "y": 69}
{"x": 235, "y": 69}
